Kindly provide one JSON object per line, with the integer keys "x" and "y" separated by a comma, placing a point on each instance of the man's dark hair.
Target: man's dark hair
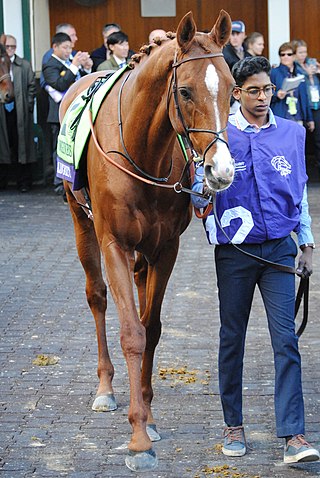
{"x": 116, "y": 37}
{"x": 249, "y": 66}
{"x": 59, "y": 38}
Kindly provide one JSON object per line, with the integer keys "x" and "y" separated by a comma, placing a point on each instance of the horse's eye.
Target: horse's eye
{"x": 185, "y": 93}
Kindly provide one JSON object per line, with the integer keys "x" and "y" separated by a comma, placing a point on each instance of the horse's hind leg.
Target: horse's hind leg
{"x": 90, "y": 257}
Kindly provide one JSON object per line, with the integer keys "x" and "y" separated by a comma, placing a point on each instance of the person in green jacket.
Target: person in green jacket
{"x": 119, "y": 47}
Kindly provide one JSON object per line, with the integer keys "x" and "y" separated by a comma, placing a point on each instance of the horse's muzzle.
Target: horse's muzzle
{"x": 219, "y": 178}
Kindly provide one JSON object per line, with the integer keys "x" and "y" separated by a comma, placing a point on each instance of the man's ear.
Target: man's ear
{"x": 236, "y": 94}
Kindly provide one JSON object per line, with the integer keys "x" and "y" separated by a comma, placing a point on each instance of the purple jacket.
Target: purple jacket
{"x": 264, "y": 201}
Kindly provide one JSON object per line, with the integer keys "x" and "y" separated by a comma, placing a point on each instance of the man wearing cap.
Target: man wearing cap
{"x": 234, "y": 50}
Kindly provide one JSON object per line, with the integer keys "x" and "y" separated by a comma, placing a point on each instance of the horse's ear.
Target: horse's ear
{"x": 186, "y": 31}
{"x": 221, "y": 31}
{"x": 3, "y": 38}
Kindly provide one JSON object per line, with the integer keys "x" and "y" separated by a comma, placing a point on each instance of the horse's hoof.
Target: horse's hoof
{"x": 105, "y": 403}
{"x": 141, "y": 461}
{"x": 152, "y": 433}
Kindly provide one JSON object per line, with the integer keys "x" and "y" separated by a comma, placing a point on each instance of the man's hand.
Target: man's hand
{"x": 311, "y": 126}
{"x": 304, "y": 268}
{"x": 86, "y": 61}
{"x": 77, "y": 59}
{"x": 206, "y": 191}
{"x": 281, "y": 94}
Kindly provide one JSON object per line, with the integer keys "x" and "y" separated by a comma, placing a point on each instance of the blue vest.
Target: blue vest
{"x": 263, "y": 202}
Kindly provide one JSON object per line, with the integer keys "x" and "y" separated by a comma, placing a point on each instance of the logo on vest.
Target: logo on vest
{"x": 281, "y": 165}
{"x": 240, "y": 166}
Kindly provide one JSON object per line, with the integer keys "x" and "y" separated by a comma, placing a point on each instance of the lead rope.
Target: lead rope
{"x": 303, "y": 290}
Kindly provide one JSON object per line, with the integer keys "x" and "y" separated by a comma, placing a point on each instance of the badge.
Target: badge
{"x": 314, "y": 94}
{"x": 292, "y": 105}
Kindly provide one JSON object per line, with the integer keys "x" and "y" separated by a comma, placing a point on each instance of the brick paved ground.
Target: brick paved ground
{"x": 47, "y": 428}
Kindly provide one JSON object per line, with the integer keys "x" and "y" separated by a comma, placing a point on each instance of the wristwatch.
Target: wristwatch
{"x": 303, "y": 246}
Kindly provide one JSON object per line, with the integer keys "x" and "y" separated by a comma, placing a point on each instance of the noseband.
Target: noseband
{"x": 186, "y": 129}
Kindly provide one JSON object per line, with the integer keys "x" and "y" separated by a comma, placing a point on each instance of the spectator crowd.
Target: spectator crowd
{"x": 296, "y": 97}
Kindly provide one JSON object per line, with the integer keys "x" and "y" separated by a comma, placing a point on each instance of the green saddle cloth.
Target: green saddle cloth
{"x": 75, "y": 127}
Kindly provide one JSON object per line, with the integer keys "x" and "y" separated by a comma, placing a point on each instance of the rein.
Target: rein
{"x": 126, "y": 154}
{"x": 303, "y": 290}
{"x": 147, "y": 178}
{"x": 177, "y": 187}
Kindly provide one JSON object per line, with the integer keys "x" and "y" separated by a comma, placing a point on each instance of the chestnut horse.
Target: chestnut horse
{"x": 181, "y": 84}
{"x": 6, "y": 85}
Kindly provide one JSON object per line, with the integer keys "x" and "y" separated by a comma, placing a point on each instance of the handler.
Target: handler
{"x": 266, "y": 202}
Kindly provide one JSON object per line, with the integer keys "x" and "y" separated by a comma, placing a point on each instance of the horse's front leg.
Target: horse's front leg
{"x": 119, "y": 267}
{"x": 90, "y": 258}
{"x": 157, "y": 280}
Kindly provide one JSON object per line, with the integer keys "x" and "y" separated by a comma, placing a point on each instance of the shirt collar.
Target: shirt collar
{"x": 241, "y": 123}
{"x": 59, "y": 59}
{"x": 118, "y": 60}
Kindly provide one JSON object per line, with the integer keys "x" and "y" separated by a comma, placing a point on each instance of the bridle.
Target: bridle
{"x": 173, "y": 86}
{"x": 186, "y": 129}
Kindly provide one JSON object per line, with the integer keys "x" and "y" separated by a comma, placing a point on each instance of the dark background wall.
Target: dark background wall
{"x": 89, "y": 21}
{"x": 304, "y": 23}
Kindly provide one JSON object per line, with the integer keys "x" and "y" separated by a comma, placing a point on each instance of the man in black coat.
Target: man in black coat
{"x": 59, "y": 74}
{"x": 17, "y": 146}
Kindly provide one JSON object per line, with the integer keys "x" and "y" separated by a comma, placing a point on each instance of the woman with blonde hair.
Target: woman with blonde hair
{"x": 255, "y": 44}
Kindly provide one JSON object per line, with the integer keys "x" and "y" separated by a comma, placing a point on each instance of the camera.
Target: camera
{"x": 312, "y": 61}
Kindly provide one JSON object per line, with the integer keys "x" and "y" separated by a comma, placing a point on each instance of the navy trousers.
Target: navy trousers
{"x": 238, "y": 276}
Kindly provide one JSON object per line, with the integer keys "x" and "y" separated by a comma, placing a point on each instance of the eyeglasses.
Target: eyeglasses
{"x": 286, "y": 54}
{"x": 11, "y": 46}
{"x": 254, "y": 93}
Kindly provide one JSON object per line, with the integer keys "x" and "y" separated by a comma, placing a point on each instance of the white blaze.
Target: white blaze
{"x": 222, "y": 157}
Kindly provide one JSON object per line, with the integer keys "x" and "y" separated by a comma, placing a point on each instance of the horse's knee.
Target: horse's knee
{"x": 133, "y": 338}
{"x": 97, "y": 297}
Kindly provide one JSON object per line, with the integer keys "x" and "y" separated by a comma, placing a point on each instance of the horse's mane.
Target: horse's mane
{"x": 2, "y": 50}
{"x": 145, "y": 50}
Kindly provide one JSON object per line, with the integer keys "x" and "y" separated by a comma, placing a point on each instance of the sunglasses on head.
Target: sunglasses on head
{"x": 286, "y": 54}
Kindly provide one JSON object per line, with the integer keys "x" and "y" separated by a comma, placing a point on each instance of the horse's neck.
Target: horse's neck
{"x": 147, "y": 98}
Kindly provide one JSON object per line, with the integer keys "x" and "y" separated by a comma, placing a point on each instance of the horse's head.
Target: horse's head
{"x": 6, "y": 85}
{"x": 200, "y": 100}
